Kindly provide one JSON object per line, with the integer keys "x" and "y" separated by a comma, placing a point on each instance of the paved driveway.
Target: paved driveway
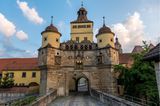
{"x": 77, "y": 100}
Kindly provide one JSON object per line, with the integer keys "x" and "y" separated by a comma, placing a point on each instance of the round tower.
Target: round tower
{"x": 51, "y": 36}
{"x": 118, "y": 46}
{"x": 105, "y": 36}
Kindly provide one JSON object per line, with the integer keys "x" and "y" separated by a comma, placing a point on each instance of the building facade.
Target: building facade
{"x": 63, "y": 64}
{"x": 24, "y": 71}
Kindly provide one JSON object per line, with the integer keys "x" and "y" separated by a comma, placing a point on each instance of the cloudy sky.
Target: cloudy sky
{"x": 22, "y": 21}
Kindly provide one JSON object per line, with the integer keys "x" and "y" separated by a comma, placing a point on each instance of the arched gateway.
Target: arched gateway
{"x": 78, "y": 64}
{"x": 79, "y": 83}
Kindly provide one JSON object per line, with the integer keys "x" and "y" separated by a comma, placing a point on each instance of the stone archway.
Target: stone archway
{"x": 82, "y": 84}
{"x": 79, "y": 82}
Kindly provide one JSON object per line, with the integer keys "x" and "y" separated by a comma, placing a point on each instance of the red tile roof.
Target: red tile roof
{"x": 137, "y": 49}
{"x": 18, "y": 63}
{"x": 126, "y": 58}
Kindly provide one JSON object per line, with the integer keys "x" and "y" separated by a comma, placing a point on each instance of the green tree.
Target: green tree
{"x": 6, "y": 81}
{"x": 122, "y": 74}
{"x": 140, "y": 79}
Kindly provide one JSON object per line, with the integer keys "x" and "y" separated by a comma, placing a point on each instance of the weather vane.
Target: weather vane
{"x": 82, "y": 3}
{"x": 51, "y": 19}
{"x": 103, "y": 20}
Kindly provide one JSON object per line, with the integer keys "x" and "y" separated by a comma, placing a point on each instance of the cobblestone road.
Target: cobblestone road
{"x": 76, "y": 100}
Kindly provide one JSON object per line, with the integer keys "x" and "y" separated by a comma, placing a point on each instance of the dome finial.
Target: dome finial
{"x": 51, "y": 20}
{"x": 103, "y": 20}
{"x": 82, "y": 3}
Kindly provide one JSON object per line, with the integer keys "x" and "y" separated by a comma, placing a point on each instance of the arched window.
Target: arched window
{"x": 82, "y": 47}
{"x": 90, "y": 47}
{"x": 71, "y": 47}
{"x": 86, "y": 47}
{"x": 75, "y": 47}
{"x": 67, "y": 47}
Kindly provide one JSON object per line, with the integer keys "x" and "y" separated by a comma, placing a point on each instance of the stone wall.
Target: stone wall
{"x": 60, "y": 76}
{"x": 46, "y": 99}
{"x": 111, "y": 100}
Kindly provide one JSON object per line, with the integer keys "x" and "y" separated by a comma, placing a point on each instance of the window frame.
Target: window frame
{"x": 24, "y": 74}
{"x": 33, "y": 74}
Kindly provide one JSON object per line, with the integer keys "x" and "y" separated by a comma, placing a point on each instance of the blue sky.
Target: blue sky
{"x": 22, "y": 21}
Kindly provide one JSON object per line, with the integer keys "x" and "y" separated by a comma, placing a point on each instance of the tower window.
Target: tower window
{"x": 75, "y": 47}
{"x": 45, "y": 39}
{"x": 67, "y": 47}
{"x": 100, "y": 40}
{"x": 90, "y": 47}
{"x": 88, "y": 26}
{"x": 77, "y": 39}
{"x": 74, "y": 26}
{"x": 111, "y": 40}
{"x": 85, "y": 38}
{"x": 71, "y": 47}
{"x": 82, "y": 47}
{"x": 57, "y": 40}
{"x": 86, "y": 47}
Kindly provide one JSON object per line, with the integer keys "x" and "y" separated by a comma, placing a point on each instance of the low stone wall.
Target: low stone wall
{"x": 14, "y": 93}
{"x": 111, "y": 100}
{"x": 24, "y": 89}
{"x": 46, "y": 99}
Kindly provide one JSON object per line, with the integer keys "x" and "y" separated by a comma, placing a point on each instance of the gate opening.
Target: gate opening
{"x": 82, "y": 85}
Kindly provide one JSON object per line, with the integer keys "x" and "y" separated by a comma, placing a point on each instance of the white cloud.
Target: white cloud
{"x": 69, "y": 3}
{"x": 62, "y": 26}
{"x": 130, "y": 32}
{"x": 21, "y": 35}
{"x": 6, "y": 27}
{"x": 30, "y": 13}
{"x": 10, "y": 50}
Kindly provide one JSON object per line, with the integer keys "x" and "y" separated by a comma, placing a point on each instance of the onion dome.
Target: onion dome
{"x": 117, "y": 42}
{"x": 51, "y": 28}
{"x": 104, "y": 29}
{"x": 82, "y": 15}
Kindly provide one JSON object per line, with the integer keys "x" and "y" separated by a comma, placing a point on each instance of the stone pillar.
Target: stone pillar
{"x": 157, "y": 70}
{"x": 43, "y": 82}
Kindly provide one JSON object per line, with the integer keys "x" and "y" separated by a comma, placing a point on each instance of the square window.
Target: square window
{"x": 85, "y": 38}
{"x": 57, "y": 40}
{"x": 23, "y": 74}
{"x": 33, "y": 74}
{"x": 45, "y": 38}
{"x": 77, "y": 39}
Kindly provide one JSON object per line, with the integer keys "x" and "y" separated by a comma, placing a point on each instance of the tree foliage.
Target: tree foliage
{"x": 140, "y": 79}
{"x": 6, "y": 81}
